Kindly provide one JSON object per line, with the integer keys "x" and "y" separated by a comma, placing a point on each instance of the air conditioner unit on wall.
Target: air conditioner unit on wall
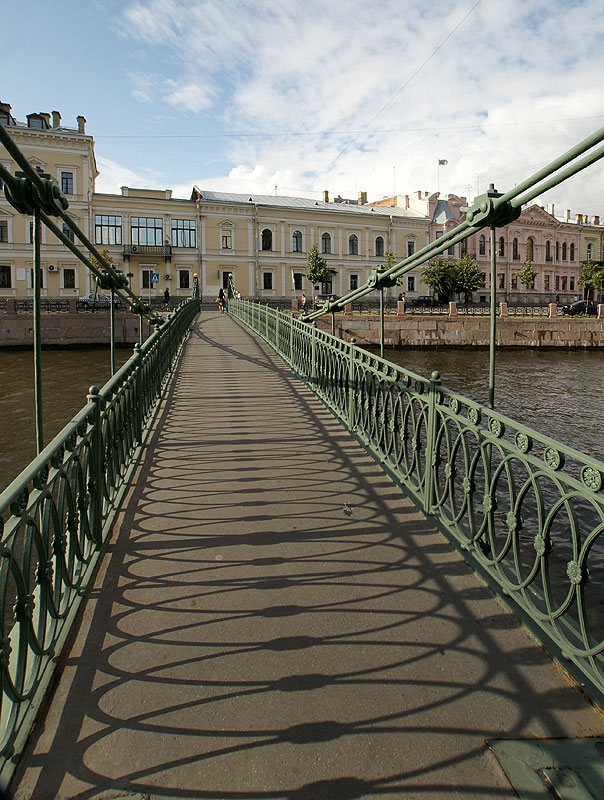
{"x": 167, "y": 276}
{"x": 134, "y": 248}
{"x": 52, "y": 268}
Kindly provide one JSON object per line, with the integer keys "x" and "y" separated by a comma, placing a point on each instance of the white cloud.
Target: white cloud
{"x": 113, "y": 176}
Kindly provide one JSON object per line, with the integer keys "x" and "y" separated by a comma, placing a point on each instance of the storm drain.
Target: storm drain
{"x": 562, "y": 769}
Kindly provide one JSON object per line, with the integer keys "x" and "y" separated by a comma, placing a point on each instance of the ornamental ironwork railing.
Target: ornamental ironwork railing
{"x": 526, "y": 511}
{"x": 56, "y": 517}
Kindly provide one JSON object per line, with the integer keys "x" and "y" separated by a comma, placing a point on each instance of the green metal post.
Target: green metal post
{"x": 351, "y": 386}
{"x": 333, "y": 323}
{"x": 381, "y": 321}
{"x": 38, "y": 332}
{"x": 96, "y": 483}
{"x": 140, "y": 329}
{"x": 431, "y": 442}
{"x": 112, "y": 331}
{"x": 313, "y": 359}
{"x": 492, "y": 332}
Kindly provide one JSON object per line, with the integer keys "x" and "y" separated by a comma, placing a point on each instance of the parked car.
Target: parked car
{"x": 424, "y": 300}
{"x": 98, "y": 301}
{"x": 321, "y": 299}
{"x": 581, "y": 307}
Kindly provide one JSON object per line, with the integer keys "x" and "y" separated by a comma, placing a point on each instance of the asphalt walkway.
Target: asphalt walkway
{"x": 274, "y": 621}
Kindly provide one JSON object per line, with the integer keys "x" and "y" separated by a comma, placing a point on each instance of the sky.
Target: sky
{"x": 294, "y": 97}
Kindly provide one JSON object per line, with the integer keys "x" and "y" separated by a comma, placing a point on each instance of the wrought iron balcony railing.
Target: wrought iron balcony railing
{"x": 147, "y": 250}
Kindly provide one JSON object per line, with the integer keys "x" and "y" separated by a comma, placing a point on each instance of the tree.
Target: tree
{"x": 527, "y": 274}
{"x": 591, "y": 278}
{"x": 316, "y": 268}
{"x": 468, "y": 276}
{"x": 440, "y": 276}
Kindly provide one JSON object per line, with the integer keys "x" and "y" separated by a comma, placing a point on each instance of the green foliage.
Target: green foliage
{"x": 468, "y": 276}
{"x": 440, "y": 276}
{"x": 527, "y": 274}
{"x": 591, "y": 277}
{"x": 316, "y": 268}
{"x": 390, "y": 260}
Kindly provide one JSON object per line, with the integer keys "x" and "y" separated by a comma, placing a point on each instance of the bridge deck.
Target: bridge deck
{"x": 248, "y": 638}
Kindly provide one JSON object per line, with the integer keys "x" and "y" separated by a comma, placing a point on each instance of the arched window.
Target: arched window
{"x": 515, "y": 253}
{"x": 588, "y": 251}
{"x": 353, "y": 245}
{"x": 572, "y": 251}
{"x": 548, "y": 251}
{"x": 564, "y": 251}
{"x": 410, "y": 247}
{"x": 296, "y": 242}
{"x": 557, "y": 251}
{"x": 379, "y": 246}
{"x": 501, "y": 250}
{"x": 267, "y": 239}
{"x": 530, "y": 249}
{"x": 326, "y": 243}
{"x": 482, "y": 247}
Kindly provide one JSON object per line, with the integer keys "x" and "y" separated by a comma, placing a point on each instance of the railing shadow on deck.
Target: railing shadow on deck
{"x": 326, "y": 606}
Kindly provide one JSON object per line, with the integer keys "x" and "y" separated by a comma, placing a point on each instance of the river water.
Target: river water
{"x": 67, "y": 375}
{"x": 557, "y": 392}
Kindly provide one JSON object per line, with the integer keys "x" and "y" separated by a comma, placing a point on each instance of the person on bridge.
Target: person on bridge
{"x": 221, "y": 300}
{"x": 167, "y": 298}
{"x": 303, "y": 302}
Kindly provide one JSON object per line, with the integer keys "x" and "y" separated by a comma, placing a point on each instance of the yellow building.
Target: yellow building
{"x": 160, "y": 241}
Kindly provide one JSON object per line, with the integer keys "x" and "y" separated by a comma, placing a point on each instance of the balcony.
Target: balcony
{"x": 148, "y": 250}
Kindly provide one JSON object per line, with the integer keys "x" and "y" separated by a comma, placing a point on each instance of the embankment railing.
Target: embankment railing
{"x": 525, "y": 511}
{"x": 56, "y": 517}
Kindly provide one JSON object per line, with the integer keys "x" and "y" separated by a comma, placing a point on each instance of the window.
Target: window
{"x": 546, "y": 283}
{"x": 184, "y": 279}
{"x": 588, "y": 251}
{"x": 564, "y": 252}
{"x": 31, "y": 279}
{"x": 501, "y": 247}
{"x": 35, "y": 122}
{"x": 410, "y": 247}
{"x": 530, "y": 249}
{"x": 354, "y": 282}
{"x": 69, "y": 278}
{"x": 411, "y": 283}
{"x": 146, "y": 276}
{"x": 183, "y": 233}
{"x": 3, "y": 230}
{"x": 226, "y": 239}
{"x": 571, "y": 283}
{"x": 31, "y": 232}
{"x": 572, "y": 252}
{"x": 5, "y": 277}
{"x": 298, "y": 281}
{"x": 514, "y": 280}
{"x": 67, "y": 182}
{"x": 548, "y": 251}
{"x": 482, "y": 246}
{"x": 451, "y": 250}
{"x": 353, "y": 245}
{"x": 326, "y": 244}
{"x": 147, "y": 231}
{"x": 564, "y": 282}
{"x": 379, "y": 246}
{"x": 501, "y": 280}
{"x": 68, "y": 232}
{"x": 267, "y": 280}
{"x": 557, "y": 282}
{"x": 296, "y": 242}
{"x": 267, "y": 239}
{"x": 464, "y": 247}
{"x": 515, "y": 253}
{"x": 107, "y": 229}
{"x": 557, "y": 251}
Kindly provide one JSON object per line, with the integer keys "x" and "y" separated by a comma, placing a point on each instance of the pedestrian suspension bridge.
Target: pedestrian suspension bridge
{"x": 263, "y": 563}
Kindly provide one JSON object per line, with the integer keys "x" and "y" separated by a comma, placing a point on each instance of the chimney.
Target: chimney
{"x": 567, "y": 215}
{"x": 595, "y": 220}
{"x": 362, "y": 198}
{"x": 418, "y": 195}
{"x": 56, "y": 119}
{"x": 579, "y": 218}
{"x": 45, "y": 117}
{"x": 406, "y": 201}
{"x": 326, "y": 196}
{"x": 81, "y": 124}
{"x": 550, "y": 209}
{"x": 585, "y": 219}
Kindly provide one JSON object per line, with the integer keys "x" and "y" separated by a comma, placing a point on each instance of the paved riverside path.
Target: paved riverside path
{"x": 247, "y": 638}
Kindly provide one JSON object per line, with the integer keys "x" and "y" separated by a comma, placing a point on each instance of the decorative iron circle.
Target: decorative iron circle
{"x": 454, "y": 405}
{"x": 57, "y": 457}
{"x": 474, "y": 415}
{"x": 71, "y": 442}
{"x": 406, "y": 380}
{"x": 592, "y": 478}
{"x": 41, "y": 477}
{"x": 553, "y": 458}
{"x": 19, "y": 504}
{"x": 574, "y": 572}
{"x": 523, "y": 442}
{"x": 496, "y": 427}
{"x": 82, "y": 428}
{"x": 419, "y": 387}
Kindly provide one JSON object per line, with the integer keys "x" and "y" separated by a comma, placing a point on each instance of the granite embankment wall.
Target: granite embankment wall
{"x": 424, "y": 330}
{"x": 65, "y": 329}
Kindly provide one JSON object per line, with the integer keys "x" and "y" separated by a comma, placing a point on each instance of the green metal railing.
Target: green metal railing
{"x": 55, "y": 519}
{"x": 526, "y": 511}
